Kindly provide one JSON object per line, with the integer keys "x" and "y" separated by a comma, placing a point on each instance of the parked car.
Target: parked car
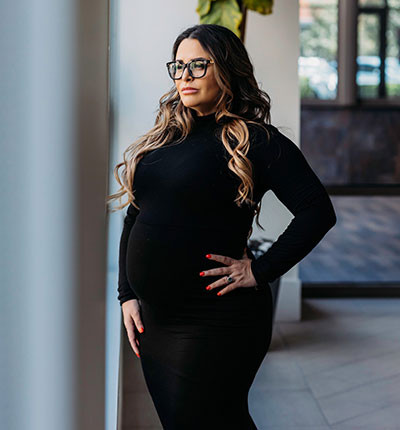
{"x": 368, "y": 70}
{"x": 321, "y": 77}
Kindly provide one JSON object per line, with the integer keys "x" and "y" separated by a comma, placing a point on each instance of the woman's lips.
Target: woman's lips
{"x": 189, "y": 91}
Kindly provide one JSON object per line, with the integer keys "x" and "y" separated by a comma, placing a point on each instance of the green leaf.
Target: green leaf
{"x": 203, "y": 7}
{"x": 221, "y": 12}
{"x": 261, "y": 6}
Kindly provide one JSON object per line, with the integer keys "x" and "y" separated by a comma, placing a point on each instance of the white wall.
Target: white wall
{"x": 145, "y": 33}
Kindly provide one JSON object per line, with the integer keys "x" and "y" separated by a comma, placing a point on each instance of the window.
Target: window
{"x": 369, "y": 42}
{"x": 392, "y": 65}
{"x": 318, "y": 49}
{"x": 378, "y": 65}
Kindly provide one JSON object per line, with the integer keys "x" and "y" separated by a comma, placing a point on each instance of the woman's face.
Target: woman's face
{"x": 204, "y": 100}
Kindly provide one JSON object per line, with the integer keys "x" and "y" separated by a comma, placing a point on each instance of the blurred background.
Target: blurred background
{"x": 81, "y": 80}
{"x": 349, "y": 72}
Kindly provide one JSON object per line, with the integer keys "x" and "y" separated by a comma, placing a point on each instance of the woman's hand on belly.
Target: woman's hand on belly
{"x": 132, "y": 320}
{"x": 238, "y": 270}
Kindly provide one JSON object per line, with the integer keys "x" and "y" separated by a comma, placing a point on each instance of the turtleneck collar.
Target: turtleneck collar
{"x": 204, "y": 120}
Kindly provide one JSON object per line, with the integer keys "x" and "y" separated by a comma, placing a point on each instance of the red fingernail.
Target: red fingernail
{"x": 138, "y": 355}
{"x": 208, "y": 255}
{"x": 219, "y": 293}
{"x": 208, "y": 287}
{"x": 141, "y": 330}
{"x": 201, "y": 273}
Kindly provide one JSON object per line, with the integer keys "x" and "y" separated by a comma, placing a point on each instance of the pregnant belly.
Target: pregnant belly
{"x": 164, "y": 262}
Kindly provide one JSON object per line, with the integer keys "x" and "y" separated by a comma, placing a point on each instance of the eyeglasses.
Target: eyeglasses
{"x": 197, "y": 68}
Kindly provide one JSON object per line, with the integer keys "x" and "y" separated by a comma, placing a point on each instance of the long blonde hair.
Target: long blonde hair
{"x": 174, "y": 121}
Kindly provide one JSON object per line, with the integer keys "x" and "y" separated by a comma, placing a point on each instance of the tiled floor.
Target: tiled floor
{"x": 338, "y": 368}
{"x": 363, "y": 246}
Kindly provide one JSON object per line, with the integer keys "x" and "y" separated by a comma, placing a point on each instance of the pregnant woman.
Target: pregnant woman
{"x": 196, "y": 303}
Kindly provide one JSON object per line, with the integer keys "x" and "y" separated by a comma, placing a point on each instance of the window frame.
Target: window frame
{"x": 347, "y": 89}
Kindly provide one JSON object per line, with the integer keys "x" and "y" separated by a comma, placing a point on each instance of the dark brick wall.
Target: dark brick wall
{"x": 352, "y": 146}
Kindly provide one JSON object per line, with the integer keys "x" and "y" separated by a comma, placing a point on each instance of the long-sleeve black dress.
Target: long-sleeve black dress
{"x": 200, "y": 352}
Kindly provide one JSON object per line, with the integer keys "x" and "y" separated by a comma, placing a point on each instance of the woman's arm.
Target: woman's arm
{"x": 125, "y": 292}
{"x": 283, "y": 168}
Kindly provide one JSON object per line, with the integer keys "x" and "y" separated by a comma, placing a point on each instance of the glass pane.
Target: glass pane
{"x": 392, "y": 63}
{"x": 371, "y": 2}
{"x": 368, "y": 60}
{"x": 317, "y": 63}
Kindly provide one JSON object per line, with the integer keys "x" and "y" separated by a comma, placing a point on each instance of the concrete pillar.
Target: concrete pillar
{"x": 54, "y": 151}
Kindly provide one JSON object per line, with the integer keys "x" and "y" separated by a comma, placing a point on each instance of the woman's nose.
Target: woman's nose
{"x": 186, "y": 74}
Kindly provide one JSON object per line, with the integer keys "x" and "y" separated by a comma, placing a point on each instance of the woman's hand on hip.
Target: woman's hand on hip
{"x": 132, "y": 320}
{"x": 238, "y": 270}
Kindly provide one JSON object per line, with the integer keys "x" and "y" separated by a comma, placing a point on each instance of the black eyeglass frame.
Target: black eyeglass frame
{"x": 204, "y": 60}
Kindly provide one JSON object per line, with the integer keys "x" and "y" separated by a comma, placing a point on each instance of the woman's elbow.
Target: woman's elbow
{"x": 331, "y": 217}
{"x": 329, "y": 211}
{"x": 326, "y": 213}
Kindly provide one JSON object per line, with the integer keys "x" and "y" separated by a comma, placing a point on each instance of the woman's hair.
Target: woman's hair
{"x": 241, "y": 101}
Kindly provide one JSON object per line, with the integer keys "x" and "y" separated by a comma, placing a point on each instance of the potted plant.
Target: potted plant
{"x": 231, "y": 13}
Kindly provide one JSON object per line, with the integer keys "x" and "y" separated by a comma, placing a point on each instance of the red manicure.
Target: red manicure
{"x": 201, "y": 273}
{"x": 208, "y": 255}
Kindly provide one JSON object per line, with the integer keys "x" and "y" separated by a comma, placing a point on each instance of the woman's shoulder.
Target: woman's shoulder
{"x": 260, "y": 133}
{"x": 262, "y": 128}
{"x": 263, "y": 137}
{"x": 268, "y": 143}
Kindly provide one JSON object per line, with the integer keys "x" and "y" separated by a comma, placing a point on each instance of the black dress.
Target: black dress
{"x": 200, "y": 352}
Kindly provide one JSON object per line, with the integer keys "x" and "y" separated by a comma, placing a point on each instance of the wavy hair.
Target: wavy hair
{"x": 241, "y": 102}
